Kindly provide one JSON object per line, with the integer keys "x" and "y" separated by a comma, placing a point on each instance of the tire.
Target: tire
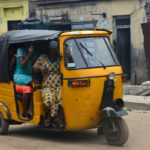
{"x": 118, "y": 137}
{"x": 4, "y": 125}
{"x": 100, "y": 131}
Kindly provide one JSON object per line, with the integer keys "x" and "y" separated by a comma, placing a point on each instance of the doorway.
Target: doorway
{"x": 13, "y": 25}
{"x": 123, "y": 44}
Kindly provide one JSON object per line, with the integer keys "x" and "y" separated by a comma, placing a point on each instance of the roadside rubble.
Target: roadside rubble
{"x": 138, "y": 90}
{"x": 137, "y": 97}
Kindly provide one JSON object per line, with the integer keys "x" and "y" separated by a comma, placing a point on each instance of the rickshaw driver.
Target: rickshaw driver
{"x": 68, "y": 56}
{"x": 49, "y": 66}
{"x": 22, "y": 78}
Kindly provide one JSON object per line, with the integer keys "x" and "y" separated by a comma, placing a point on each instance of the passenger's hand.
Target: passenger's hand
{"x": 44, "y": 71}
{"x": 31, "y": 49}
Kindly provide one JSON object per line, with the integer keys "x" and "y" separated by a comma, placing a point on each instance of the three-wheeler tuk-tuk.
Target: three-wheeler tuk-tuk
{"x": 91, "y": 83}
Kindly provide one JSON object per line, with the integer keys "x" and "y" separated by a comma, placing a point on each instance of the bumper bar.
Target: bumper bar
{"x": 110, "y": 112}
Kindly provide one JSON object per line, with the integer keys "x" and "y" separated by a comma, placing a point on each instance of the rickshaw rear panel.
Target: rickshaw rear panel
{"x": 82, "y": 110}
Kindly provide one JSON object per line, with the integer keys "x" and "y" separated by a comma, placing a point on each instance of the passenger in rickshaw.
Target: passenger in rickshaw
{"x": 49, "y": 66}
{"x": 22, "y": 77}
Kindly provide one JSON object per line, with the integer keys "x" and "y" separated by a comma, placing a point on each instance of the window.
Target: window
{"x": 90, "y": 52}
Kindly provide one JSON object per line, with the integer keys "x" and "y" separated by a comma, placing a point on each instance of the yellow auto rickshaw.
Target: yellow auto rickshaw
{"x": 92, "y": 83}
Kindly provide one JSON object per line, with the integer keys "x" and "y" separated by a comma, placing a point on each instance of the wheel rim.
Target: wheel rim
{"x": 110, "y": 133}
{"x": 113, "y": 134}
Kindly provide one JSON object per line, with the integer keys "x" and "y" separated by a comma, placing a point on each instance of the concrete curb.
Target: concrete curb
{"x": 137, "y": 102}
{"x": 136, "y": 90}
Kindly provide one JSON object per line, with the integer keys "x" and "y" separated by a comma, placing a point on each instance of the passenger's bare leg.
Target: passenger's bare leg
{"x": 30, "y": 109}
{"x": 47, "y": 117}
{"x": 25, "y": 101}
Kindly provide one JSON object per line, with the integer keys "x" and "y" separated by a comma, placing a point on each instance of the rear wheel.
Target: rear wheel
{"x": 4, "y": 125}
{"x": 116, "y": 131}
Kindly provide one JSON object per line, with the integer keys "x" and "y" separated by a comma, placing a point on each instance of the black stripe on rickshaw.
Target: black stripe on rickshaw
{"x": 90, "y": 77}
{"x": 7, "y": 110}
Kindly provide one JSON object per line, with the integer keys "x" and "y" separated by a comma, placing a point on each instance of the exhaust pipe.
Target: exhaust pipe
{"x": 118, "y": 104}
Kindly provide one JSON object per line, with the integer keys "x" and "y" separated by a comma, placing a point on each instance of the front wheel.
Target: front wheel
{"x": 4, "y": 125}
{"x": 116, "y": 131}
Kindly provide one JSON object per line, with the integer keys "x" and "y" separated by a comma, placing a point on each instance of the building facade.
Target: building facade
{"x": 11, "y": 13}
{"x": 122, "y": 17}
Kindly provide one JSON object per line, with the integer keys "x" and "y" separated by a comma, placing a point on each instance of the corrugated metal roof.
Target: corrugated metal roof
{"x": 43, "y": 2}
{"x": 59, "y": 0}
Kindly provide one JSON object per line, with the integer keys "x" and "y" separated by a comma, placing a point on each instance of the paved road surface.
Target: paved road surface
{"x": 28, "y": 137}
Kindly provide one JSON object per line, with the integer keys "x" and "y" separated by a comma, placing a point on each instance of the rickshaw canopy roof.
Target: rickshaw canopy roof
{"x": 20, "y": 36}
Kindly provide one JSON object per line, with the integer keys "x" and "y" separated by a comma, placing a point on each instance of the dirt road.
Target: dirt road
{"x": 28, "y": 137}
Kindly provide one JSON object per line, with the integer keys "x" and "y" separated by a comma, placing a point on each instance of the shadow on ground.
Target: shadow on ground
{"x": 37, "y": 133}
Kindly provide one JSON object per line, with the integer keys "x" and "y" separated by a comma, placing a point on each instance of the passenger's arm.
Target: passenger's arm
{"x": 37, "y": 70}
{"x": 40, "y": 69}
{"x": 23, "y": 61}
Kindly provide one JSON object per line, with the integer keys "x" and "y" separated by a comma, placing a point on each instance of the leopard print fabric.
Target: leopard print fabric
{"x": 51, "y": 84}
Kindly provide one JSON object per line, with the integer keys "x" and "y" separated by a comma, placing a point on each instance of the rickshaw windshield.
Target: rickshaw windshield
{"x": 91, "y": 52}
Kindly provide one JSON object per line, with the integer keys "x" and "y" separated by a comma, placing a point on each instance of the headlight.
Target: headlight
{"x": 111, "y": 76}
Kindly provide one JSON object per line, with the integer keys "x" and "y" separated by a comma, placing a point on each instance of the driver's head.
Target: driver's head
{"x": 53, "y": 47}
{"x": 53, "y": 44}
{"x": 67, "y": 50}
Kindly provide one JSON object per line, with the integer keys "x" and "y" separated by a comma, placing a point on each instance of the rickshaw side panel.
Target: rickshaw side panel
{"x": 38, "y": 109}
{"x": 7, "y": 97}
{"x": 38, "y": 104}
